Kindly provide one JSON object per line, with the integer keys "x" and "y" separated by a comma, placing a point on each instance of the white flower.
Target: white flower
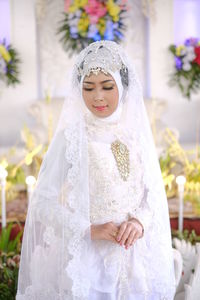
{"x": 183, "y": 51}
{"x": 2, "y": 66}
{"x": 189, "y": 55}
{"x": 78, "y": 13}
{"x": 187, "y": 66}
{"x": 73, "y": 22}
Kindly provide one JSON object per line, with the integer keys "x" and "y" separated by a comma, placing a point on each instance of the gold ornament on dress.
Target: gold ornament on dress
{"x": 121, "y": 154}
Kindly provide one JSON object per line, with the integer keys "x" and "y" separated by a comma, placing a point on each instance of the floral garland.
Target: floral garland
{"x": 8, "y": 64}
{"x": 86, "y": 21}
{"x": 187, "y": 64}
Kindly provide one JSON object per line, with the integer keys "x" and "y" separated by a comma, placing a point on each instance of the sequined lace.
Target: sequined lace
{"x": 111, "y": 198}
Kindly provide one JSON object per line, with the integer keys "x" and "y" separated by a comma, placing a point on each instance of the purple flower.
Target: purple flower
{"x": 73, "y": 32}
{"x": 109, "y": 34}
{"x": 119, "y": 34}
{"x": 97, "y": 37}
{"x": 92, "y": 31}
{"x": 191, "y": 42}
{"x": 3, "y": 69}
{"x": 178, "y": 63}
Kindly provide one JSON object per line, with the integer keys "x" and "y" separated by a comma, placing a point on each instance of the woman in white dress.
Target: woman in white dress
{"x": 97, "y": 226}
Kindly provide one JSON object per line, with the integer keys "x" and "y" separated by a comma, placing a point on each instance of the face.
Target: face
{"x": 100, "y": 94}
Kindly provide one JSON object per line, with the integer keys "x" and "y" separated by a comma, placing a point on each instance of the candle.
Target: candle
{"x": 3, "y": 175}
{"x": 30, "y": 181}
{"x": 180, "y": 180}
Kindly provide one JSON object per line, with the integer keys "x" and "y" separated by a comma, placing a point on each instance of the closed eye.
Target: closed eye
{"x": 104, "y": 88}
{"x": 86, "y": 89}
{"x": 108, "y": 88}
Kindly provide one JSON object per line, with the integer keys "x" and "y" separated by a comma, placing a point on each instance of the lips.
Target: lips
{"x": 100, "y": 108}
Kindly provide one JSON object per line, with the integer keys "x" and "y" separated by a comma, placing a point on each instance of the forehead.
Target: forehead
{"x": 100, "y": 77}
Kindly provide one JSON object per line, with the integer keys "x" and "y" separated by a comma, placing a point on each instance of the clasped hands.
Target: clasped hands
{"x": 125, "y": 234}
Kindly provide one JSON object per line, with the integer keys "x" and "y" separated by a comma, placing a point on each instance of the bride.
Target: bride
{"x": 97, "y": 226}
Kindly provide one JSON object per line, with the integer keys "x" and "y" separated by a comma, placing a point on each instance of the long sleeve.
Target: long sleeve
{"x": 144, "y": 212}
{"x": 46, "y": 203}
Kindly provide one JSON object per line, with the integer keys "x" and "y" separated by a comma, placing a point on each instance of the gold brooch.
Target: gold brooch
{"x": 121, "y": 154}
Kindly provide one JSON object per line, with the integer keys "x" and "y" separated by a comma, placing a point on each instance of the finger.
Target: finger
{"x": 136, "y": 237}
{"x": 130, "y": 238}
{"x": 125, "y": 235}
{"x": 121, "y": 231}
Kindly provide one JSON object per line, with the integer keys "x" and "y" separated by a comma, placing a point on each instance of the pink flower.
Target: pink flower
{"x": 95, "y": 10}
{"x": 67, "y": 5}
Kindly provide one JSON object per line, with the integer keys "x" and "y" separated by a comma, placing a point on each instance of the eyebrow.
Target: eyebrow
{"x": 104, "y": 81}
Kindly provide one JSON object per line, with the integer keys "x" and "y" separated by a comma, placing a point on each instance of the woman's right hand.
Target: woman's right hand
{"x": 107, "y": 231}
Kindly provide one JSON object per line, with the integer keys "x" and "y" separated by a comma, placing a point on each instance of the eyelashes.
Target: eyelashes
{"x": 107, "y": 89}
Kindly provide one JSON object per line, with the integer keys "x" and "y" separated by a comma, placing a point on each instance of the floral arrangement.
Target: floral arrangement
{"x": 187, "y": 66}
{"x": 8, "y": 64}
{"x": 86, "y": 21}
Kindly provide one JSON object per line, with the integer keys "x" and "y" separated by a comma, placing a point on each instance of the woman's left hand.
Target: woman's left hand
{"x": 129, "y": 232}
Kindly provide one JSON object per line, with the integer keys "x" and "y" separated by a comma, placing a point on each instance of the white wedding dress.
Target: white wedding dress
{"x": 114, "y": 270}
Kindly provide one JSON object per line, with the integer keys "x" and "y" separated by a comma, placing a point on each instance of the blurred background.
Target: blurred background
{"x": 39, "y": 41}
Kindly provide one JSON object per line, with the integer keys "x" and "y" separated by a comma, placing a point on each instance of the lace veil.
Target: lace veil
{"x": 54, "y": 256}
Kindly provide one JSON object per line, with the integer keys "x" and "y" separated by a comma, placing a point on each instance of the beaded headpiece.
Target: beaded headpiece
{"x": 101, "y": 56}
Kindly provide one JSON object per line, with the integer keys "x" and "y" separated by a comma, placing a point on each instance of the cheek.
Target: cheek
{"x": 113, "y": 98}
{"x": 87, "y": 97}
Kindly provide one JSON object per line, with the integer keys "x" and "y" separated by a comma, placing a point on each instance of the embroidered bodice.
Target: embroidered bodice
{"x": 111, "y": 198}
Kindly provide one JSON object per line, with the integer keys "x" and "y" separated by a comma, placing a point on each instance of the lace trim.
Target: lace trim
{"x": 32, "y": 293}
{"x": 77, "y": 223}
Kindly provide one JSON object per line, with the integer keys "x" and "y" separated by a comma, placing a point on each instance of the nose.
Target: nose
{"x": 99, "y": 95}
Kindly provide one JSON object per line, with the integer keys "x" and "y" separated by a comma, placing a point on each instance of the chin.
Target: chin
{"x": 101, "y": 114}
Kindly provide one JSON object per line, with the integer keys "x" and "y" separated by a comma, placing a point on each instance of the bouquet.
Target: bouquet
{"x": 8, "y": 64}
{"x": 187, "y": 66}
{"x": 86, "y": 21}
